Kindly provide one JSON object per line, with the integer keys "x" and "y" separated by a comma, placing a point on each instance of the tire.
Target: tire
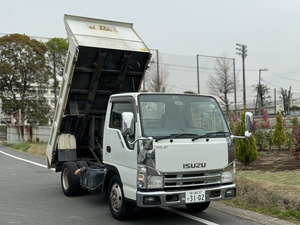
{"x": 197, "y": 207}
{"x": 119, "y": 208}
{"x": 69, "y": 181}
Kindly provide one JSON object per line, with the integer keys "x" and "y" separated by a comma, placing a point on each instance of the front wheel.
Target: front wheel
{"x": 69, "y": 181}
{"x": 197, "y": 207}
{"x": 119, "y": 208}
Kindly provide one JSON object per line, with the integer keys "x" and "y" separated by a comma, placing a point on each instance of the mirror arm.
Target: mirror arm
{"x": 248, "y": 136}
{"x": 238, "y": 137}
{"x": 139, "y": 139}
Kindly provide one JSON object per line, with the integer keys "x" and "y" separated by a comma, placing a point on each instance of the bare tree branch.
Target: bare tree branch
{"x": 157, "y": 82}
{"x": 286, "y": 96}
{"x": 221, "y": 82}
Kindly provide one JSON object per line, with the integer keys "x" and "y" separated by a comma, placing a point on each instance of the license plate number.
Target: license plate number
{"x": 195, "y": 196}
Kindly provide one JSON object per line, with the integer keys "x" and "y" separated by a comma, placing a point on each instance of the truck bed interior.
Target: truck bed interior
{"x": 98, "y": 74}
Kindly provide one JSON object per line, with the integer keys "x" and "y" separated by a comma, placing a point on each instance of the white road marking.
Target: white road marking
{"x": 25, "y": 160}
{"x": 189, "y": 216}
{"x": 165, "y": 208}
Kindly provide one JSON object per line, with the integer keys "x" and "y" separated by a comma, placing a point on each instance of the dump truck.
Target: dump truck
{"x": 137, "y": 148}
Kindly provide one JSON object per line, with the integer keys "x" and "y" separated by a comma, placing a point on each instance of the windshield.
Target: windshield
{"x": 180, "y": 116}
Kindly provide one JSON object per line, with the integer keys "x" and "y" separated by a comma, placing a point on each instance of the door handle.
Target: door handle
{"x": 108, "y": 149}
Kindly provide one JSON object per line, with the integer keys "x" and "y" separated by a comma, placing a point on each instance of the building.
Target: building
{"x": 48, "y": 93}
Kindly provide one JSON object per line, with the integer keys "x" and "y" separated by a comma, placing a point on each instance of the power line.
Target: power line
{"x": 283, "y": 77}
{"x": 193, "y": 67}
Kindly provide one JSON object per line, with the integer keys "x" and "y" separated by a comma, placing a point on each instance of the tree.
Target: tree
{"x": 57, "y": 49}
{"x": 290, "y": 139}
{"x": 286, "y": 97}
{"x": 295, "y": 108}
{"x": 269, "y": 138}
{"x": 221, "y": 82}
{"x": 279, "y": 136}
{"x": 23, "y": 76}
{"x": 262, "y": 98}
{"x": 156, "y": 76}
{"x": 265, "y": 123}
{"x": 246, "y": 151}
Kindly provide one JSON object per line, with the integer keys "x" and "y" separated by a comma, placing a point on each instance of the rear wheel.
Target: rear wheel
{"x": 197, "y": 207}
{"x": 69, "y": 181}
{"x": 119, "y": 208}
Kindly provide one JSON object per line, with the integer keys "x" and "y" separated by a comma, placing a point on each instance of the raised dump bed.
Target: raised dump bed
{"x": 104, "y": 57}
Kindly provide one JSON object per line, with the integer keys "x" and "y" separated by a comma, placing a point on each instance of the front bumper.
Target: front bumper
{"x": 169, "y": 198}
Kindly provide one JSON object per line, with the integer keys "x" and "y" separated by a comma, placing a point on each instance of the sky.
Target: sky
{"x": 269, "y": 28}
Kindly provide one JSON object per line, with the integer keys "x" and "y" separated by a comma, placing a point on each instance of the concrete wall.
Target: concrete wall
{"x": 16, "y": 134}
{"x": 287, "y": 120}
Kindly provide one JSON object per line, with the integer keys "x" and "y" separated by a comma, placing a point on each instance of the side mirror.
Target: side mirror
{"x": 127, "y": 123}
{"x": 248, "y": 127}
{"x": 128, "y": 130}
{"x": 248, "y": 124}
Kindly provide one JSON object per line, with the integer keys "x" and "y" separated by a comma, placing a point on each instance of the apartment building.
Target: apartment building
{"x": 48, "y": 93}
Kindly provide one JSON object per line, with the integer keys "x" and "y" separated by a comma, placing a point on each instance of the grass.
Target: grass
{"x": 34, "y": 148}
{"x": 271, "y": 193}
{"x": 279, "y": 178}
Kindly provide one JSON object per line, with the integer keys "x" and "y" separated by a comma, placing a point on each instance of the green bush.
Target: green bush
{"x": 269, "y": 138}
{"x": 279, "y": 136}
{"x": 261, "y": 138}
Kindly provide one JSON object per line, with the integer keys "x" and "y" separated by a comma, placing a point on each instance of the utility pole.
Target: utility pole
{"x": 275, "y": 101}
{"x": 158, "y": 87}
{"x": 259, "y": 102}
{"x": 242, "y": 50}
{"x": 198, "y": 78}
{"x": 289, "y": 100}
{"x": 157, "y": 70}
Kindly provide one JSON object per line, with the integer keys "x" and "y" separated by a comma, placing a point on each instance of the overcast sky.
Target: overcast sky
{"x": 270, "y": 29}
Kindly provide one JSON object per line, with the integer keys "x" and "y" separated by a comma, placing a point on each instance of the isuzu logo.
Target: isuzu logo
{"x": 193, "y": 165}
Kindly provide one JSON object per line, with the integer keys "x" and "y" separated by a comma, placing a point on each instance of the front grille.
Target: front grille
{"x": 177, "y": 181}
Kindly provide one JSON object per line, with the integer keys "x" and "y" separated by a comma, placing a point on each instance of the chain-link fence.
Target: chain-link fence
{"x": 185, "y": 73}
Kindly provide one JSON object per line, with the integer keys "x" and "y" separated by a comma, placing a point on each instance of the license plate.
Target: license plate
{"x": 195, "y": 196}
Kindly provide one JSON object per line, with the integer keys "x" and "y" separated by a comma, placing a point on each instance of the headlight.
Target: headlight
{"x": 227, "y": 177}
{"x": 228, "y": 174}
{"x": 155, "y": 182}
{"x": 145, "y": 180}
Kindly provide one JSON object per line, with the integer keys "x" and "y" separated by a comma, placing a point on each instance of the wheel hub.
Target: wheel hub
{"x": 116, "y": 197}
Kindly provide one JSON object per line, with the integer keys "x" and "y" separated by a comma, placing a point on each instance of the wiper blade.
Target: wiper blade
{"x": 174, "y": 136}
{"x": 209, "y": 134}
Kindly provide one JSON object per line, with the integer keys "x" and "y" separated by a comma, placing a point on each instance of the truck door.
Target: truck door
{"x": 118, "y": 152}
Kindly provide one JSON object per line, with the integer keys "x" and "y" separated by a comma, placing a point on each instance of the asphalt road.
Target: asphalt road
{"x": 30, "y": 194}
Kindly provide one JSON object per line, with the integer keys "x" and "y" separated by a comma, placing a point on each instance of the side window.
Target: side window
{"x": 116, "y": 118}
{"x": 117, "y": 109}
